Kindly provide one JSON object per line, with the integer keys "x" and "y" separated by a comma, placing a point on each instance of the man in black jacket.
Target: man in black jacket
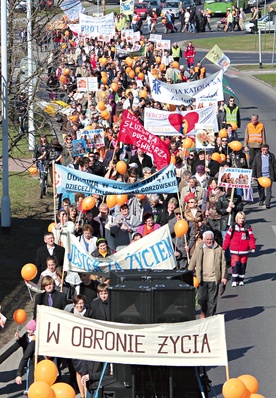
{"x": 142, "y": 160}
{"x": 264, "y": 165}
{"x": 49, "y": 249}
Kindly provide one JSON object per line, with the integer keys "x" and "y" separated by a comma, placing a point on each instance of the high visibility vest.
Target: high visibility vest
{"x": 176, "y": 52}
{"x": 200, "y": 71}
{"x": 255, "y": 133}
{"x": 231, "y": 116}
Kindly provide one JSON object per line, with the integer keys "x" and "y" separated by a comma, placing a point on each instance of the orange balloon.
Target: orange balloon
{"x": 140, "y": 196}
{"x": 46, "y": 371}
{"x": 103, "y": 73}
{"x": 107, "y": 116}
{"x": 234, "y": 125}
{"x": 122, "y": 199}
{"x": 63, "y": 390}
{"x": 187, "y": 143}
{"x": 235, "y": 145}
{"x": 104, "y": 113}
{"x": 141, "y": 76}
{"x": 128, "y": 61}
{"x": 233, "y": 388}
{"x": 216, "y": 157}
{"x": 143, "y": 94}
{"x": 19, "y": 316}
{"x": 39, "y": 389}
{"x": 180, "y": 228}
{"x": 51, "y": 226}
{"x": 67, "y": 33}
{"x": 28, "y": 272}
{"x": 111, "y": 201}
{"x": 257, "y": 396}
{"x": 128, "y": 69}
{"x": 103, "y": 61}
{"x": 63, "y": 46}
{"x": 158, "y": 60}
{"x": 66, "y": 71}
{"x": 264, "y": 182}
{"x": 175, "y": 64}
{"x": 114, "y": 87}
{"x": 74, "y": 118}
{"x": 121, "y": 167}
{"x": 101, "y": 105}
{"x": 222, "y": 133}
{"x": 137, "y": 69}
{"x": 33, "y": 170}
{"x": 222, "y": 157}
{"x": 250, "y": 382}
{"x": 131, "y": 74}
{"x": 103, "y": 95}
{"x": 162, "y": 67}
{"x": 104, "y": 80}
{"x": 63, "y": 79}
{"x": 195, "y": 282}
{"x": 172, "y": 108}
{"x": 88, "y": 203}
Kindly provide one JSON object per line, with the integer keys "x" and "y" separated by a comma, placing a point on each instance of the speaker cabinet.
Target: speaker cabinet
{"x": 120, "y": 277}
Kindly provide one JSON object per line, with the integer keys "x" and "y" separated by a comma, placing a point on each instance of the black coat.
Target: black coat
{"x": 146, "y": 162}
{"x": 94, "y": 370}
{"x": 257, "y": 166}
{"x": 100, "y": 310}
{"x": 42, "y": 254}
{"x": 223, "y": 202}
{"x": 59, "y": 300}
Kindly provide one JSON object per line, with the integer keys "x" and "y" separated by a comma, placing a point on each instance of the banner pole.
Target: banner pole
{"x": 112, "y": 159}
{"x": 54, "y": 190}
{"x": 231, "y": 200}
{"x": 227, "y": 372}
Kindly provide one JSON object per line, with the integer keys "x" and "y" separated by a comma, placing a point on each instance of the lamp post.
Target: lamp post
{"x": 31, "y": 129}
{"x": 5, "y": 201}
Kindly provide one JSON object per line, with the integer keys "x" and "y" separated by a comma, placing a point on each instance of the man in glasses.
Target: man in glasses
{"x": 232, "y": 113}
{"x": 209, "y": 261}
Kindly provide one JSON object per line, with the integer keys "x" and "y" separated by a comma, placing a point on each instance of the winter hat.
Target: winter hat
{"x": 200, "y": 168}
{"x": 189, "y": 196}
{"x": 31, "y": 325}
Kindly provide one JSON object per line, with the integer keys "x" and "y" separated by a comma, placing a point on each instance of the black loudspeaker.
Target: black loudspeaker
{"x": 119, "y": 277}
{"x": 150, "y": 302}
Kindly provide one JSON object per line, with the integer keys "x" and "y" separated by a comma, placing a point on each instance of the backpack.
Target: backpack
{"x": 245, "y": 230}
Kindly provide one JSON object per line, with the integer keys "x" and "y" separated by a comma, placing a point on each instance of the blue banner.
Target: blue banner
{"x": 71, "y": 180}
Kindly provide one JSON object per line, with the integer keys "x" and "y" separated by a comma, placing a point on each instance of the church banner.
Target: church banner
{"x": 155, "y": 251}
{"x": 177, "y": 123}
{"x": 71, "y": 180}
{"x": 184, "y": 93}
{"x": 194, "y": 343}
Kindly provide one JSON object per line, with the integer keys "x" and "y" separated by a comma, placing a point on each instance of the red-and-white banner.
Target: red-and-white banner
{"x": 133, "y": 132}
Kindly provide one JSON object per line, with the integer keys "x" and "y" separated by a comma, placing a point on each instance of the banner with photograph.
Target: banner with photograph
{"x": 154, "y": 251}
{"x": 94, "y": 139}
{"x": 78, "y": 147}
{"x": 230, "y": 177}
{"x": 163, "y": 45}
{"x": 95, "y": 27}
{"x": 161, "y": 122}
{"x": 155, "y": 37}
{"x": 71, "y": 180}
{"x": 217, "y": 56}
{"x": 205, "y": 136}
{"x": 184, "y": 93}
{"x": 85, "y": 84}
{"x": 193, "y": 343}
{"x": 126, "y": 7}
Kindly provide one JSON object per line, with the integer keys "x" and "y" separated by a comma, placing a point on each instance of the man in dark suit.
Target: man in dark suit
{"x": 100, "y": 306}
{"x": 51, "y": 297}
{"x": 49, "y": 249}
{"x": 142, "y": 160}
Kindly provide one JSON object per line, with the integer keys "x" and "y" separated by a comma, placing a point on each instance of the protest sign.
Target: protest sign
{"x": 230, "y": 177}
{"x": 205, "y": 136}
{"x": 94, "y": 139}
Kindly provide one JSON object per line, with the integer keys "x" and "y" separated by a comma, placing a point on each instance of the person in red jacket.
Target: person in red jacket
{"x": 189, "y": 54}
{"x": 241, "y": 240}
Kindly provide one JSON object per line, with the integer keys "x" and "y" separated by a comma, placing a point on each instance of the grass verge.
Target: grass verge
{"x": 267, "y": 78}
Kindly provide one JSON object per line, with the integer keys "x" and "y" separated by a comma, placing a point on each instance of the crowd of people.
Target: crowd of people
{"x": 218, "y": 235}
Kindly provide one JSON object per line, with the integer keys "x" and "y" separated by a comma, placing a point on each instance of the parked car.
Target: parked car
{"x": 156, "y": 6}
{"x": 142, "y": 9}
{"x": 172, "y": 5}
{"x": 21, "y": 6}
{"x": 250, "y": 27}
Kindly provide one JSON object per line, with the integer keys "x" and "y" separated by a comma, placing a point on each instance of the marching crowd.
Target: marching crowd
{"x": 218, "y": 235}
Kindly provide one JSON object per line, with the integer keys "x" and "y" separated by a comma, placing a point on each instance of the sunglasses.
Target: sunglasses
{"x": 191, "y": 202}
{"x": 223, "y": 140}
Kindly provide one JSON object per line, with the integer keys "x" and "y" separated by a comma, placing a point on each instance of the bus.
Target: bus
{"x": 220, "y": 7}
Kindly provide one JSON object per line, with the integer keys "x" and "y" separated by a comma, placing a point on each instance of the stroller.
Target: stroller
{"x": 221, "y": 24}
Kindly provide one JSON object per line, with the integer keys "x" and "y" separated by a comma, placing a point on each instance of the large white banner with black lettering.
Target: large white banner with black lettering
{"x": 194, "y": 343}
{"x": 185, "y": 93}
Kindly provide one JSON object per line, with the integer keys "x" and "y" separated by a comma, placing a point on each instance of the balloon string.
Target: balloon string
{"x": 30, "y": 294}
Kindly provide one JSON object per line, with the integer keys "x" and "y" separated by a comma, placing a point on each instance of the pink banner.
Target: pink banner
{"x": 133, "y": 132}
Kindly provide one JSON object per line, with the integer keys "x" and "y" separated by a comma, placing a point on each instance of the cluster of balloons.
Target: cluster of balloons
{"x": 45, "y": 376}
{"x": 245, "y": 386}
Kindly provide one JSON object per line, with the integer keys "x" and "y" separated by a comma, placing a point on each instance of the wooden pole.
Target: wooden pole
{"x": 231, "y": 200}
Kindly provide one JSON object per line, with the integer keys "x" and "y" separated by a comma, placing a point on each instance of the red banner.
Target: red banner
{"x": 133, "y": 132}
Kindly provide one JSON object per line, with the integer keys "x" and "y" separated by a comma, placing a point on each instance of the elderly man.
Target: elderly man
{"x": 192, "y": 187}
{"x": 211, "y": 270}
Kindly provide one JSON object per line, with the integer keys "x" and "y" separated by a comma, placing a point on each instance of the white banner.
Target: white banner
{"x": 94, "y": 27}
{"x": 183, "y": 93}
{"x": 72, "y": 8}
{"x": 177, "y": 123}
{"x": 194, "y": 343}
{"x": 85, "y": 84}
{"x": 230, "y": 177}
{"x": 155, "y": 251}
